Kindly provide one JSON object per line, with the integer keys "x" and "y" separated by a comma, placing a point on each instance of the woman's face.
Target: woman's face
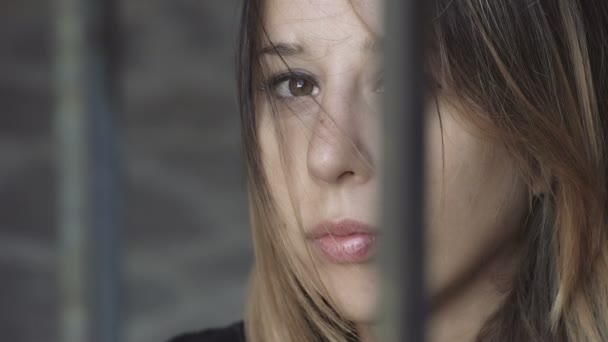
{"x": 326, "y": 110}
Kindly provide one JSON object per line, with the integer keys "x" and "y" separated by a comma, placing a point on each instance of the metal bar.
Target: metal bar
{"x": 70, "y": 127}
{"x": 404, "y": 307}
{"x": 87, "y": 170}
{"x": 103, "y": 95}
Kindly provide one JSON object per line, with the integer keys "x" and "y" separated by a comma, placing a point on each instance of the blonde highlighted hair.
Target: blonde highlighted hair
{"x": 531, "y": 75}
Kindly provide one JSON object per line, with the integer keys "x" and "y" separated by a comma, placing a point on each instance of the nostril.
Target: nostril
{"x": 346, "y": 174}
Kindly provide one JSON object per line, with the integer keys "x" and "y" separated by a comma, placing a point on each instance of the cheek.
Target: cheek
{"x": 281, "y": 148}
{"x": 475, "y": 200}
{"x": 283, "y": 160}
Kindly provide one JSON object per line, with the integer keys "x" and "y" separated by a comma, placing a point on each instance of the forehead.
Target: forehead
{"x": 324, "y": 22}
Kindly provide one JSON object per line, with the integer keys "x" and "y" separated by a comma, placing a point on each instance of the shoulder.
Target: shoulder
{"x": 231, "y": 333}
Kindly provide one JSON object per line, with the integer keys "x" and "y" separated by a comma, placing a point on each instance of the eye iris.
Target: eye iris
{"x": 300, "y": 87}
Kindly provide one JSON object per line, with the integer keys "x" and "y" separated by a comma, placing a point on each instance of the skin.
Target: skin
{"x": 475, "y": 197}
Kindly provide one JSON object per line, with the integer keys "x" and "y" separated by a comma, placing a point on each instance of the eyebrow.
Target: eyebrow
{"x": 283, "y": 49}
{"x": 292, "y": 49}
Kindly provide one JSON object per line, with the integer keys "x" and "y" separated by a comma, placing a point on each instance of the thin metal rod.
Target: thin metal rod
{"x": 70, "y": 127}
{"x": 87, "y": 170}
{"x": 103, "y": 104}
{"x": 404, "y": 308}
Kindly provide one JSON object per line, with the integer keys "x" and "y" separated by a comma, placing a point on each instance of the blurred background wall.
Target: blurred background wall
{"x": 184, "y": 222}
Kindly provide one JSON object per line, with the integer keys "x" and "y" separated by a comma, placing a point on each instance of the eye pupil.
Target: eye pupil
{"x": 300, "y": 87}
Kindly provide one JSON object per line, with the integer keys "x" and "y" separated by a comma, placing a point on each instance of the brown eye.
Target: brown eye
{"x": 301, "y": 87}
{"x": 294, "y": 85}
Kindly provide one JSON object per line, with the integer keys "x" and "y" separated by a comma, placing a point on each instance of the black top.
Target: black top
{"x": 232, "y": 333}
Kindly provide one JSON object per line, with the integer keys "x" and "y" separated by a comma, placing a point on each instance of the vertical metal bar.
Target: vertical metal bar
{"x": 87, "y": 170}
{"x": 71, "y": 124}
{"x": 404, "y": 307}
{"x": 103, "y": 98}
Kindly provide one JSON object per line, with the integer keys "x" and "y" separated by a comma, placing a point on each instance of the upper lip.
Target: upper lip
{"x": 342, "y": 227}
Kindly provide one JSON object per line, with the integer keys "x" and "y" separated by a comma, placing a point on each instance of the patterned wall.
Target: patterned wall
{"x": 187, "y": 249}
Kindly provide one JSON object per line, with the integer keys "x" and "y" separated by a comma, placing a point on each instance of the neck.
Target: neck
{"x": 461, "y": 318}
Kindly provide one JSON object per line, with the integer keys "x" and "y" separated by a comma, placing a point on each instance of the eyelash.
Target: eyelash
{"x": 273, "y": 82}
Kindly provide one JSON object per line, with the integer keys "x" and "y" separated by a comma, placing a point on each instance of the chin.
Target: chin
{"x": 354, "y": 289}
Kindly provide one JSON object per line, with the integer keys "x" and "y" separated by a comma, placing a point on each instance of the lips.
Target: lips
{"x": 344, "y": 241}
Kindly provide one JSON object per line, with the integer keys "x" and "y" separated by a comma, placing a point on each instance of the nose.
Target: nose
{"x": 339, "y": 148}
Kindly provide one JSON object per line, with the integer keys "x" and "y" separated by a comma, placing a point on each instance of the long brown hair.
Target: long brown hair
{"x": 532, "y": 75}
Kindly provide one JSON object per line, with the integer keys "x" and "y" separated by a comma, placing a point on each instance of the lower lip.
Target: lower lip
{"x": 347, "y": 249}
